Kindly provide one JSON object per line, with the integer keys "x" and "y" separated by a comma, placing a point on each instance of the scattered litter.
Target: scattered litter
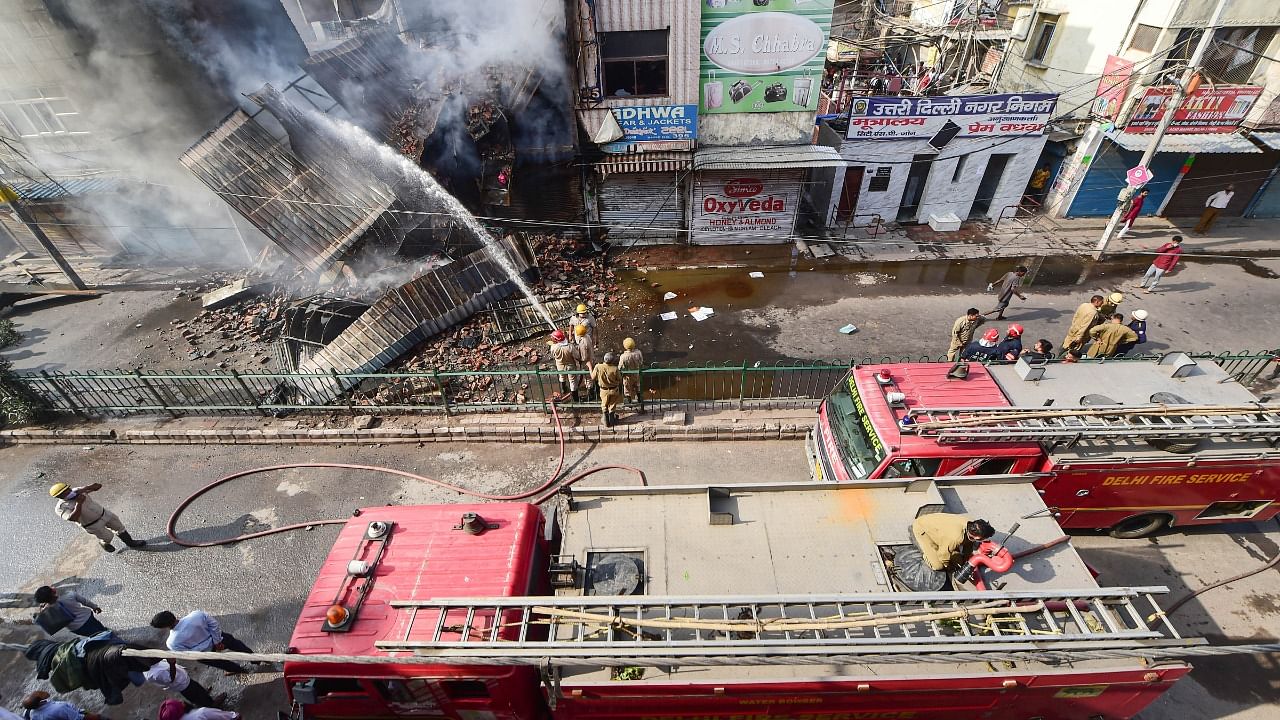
{"x": 702, "y": 313}
{"x": 668, "y": 316}
{"x": 849, "y": 329}
{"x": 756, "y": 274}
{"x": 669, "y": 295}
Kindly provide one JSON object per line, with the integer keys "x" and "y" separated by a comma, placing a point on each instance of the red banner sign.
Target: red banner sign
{"x": 1207, "y": 110}
{"x": 1112, "y": 87}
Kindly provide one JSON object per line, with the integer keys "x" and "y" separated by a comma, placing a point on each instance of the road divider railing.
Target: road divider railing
{"x": 658, "y": 387}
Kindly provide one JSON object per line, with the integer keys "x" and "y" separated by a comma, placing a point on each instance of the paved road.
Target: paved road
{"x": 257, "y": 587}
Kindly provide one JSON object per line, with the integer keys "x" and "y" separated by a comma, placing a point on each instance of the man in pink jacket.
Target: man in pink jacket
{"x": 1166, "y": 257}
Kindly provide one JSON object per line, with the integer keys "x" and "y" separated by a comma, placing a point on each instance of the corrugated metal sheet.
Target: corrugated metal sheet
{"x": 652, "y": 162}
{"x": 1097, "y": 194}
{"x": 1211, "y": 173}
{"x": 642, "y": 208}
{"x": 750, "y": 158}
{"x": 1270, "y": 139}
{"x": 430, "y": 303}
{"x": 1268, "y": 202}
{"x": 52, "y": 190}
{"x": 1199, "y": 143}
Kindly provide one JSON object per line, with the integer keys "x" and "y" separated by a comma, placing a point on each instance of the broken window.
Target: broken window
{"x": 635, "y": 63}
{"x": 1042, "y": 38}
{"x": 32, "y": 112}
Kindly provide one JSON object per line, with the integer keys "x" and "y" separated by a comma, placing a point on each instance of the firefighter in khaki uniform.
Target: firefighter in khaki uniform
{"x": 1082, "y": 322}
{"x": 1108, "y": 338}
{"x": 609, "y": 380}
{"x": 75, "y": 505}
{"x": 631, "y": 359}
{"x": 946, "y": 540}
{"x": 565, "y": 355}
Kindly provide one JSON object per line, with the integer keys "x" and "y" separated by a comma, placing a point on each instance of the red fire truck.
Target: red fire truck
{"x": 737, "y": 602}
{"x": 1130, "y": 446}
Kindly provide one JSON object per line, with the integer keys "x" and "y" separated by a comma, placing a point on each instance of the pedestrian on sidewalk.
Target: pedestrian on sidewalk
{"x": 1108, "y": 337}
{"x": 1086, "y": 316}
{"x": 1041, "y": 351}
{"x": 1007, "y": 288}
{"x": 1135, "y": 208}
{"x": 565, "y": 355}
{"x": 69, "y": 609}
{"x": 75, "y": 505}
{"x": 1166, "y": 258}
{"x": 962, "y": 331}
{"x": 631, "y": 359}
{"x": 198, "y": 631}
{"x": 1139, "y": 326}
{"x": 170, "y": 676}
{"x": 1038, "y": 186}
{"x": 1216, "y": 203}
{"x": 38, "y": 706}
{"x": 609, "y": 381}
{"x": 178, "y": 710}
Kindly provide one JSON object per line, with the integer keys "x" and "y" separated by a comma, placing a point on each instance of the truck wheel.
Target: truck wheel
{"x": 1174, "y": 446}
{"x": 1140, "y": 526}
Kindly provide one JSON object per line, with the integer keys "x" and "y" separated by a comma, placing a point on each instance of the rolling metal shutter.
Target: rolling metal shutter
{"x": 1097, "y": 194}
{"x": 1211, "y": 173}
{"x": 642, "y": 208}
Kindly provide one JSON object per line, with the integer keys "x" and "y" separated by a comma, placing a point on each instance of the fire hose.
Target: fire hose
{"x": 539, "y": 494}
{"x": 1275, "y": 560}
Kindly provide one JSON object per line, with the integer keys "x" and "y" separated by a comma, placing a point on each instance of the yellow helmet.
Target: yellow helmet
{"x": 580, "y": 330}
{"x": 1116, "y": 298}
{"x": 58, "y": 489}
{"x": 629, "y": 344}
{"x": 581, "y": 308}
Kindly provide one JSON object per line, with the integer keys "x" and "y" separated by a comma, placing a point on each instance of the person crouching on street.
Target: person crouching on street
{"x": 608, "y": 380}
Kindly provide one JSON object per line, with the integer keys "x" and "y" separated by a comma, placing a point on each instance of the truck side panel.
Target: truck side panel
{"x": 1113, "y": 695}
{"x": 1200, "y": 493}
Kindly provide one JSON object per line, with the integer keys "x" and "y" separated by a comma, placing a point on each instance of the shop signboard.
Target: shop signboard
{"x": 1112, "y": 87}
{"x": 675, "y": 125}
{"x": 1207, "y": 110}
{"x": 744, "y": 203}
{"x": 763, "y": 55}
{"x": 897, "y": 118}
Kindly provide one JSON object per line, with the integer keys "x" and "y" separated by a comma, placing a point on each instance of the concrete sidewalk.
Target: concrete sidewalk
{"x": 512, "y": 427}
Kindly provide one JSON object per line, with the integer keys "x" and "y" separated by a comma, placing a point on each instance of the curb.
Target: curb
{"x": 382, "y": 436}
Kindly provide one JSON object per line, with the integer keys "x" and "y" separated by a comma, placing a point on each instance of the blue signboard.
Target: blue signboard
{"x": 977, "y": 115}
{"x": 657, "y": 122}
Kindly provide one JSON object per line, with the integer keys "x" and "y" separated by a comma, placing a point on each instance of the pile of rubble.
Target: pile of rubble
{"x": 571, "y": 270}
{"x": 238, "y": 335}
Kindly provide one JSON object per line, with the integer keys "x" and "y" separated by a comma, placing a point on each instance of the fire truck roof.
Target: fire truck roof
{"x": 426, "y": 556}
{"x": 927, "y": 385}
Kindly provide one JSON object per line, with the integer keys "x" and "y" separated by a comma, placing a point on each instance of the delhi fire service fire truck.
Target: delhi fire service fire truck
{"x": 737, "y": 602}
{"x": 1130, "y": 446}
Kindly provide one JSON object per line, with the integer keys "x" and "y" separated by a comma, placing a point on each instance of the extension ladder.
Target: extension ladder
{"x": 1015, "y": 424}
{"x": 594, "y": 627}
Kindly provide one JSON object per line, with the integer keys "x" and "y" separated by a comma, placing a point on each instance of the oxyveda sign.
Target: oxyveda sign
{"x": 744, "y": 203}
{"x": 763, "y": 56}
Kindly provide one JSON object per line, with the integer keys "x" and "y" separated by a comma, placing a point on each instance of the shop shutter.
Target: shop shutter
{"x": 781, "y": 185}
{"x": 1211, "y": 173}
{"x": 1097, "y": 194}
{"x": 551, "y": 193}
{"x": 642, "y": 208}
{"x": 1268, "y": 205}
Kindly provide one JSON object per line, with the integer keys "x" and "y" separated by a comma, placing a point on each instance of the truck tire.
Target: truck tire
{"x": 1139, "y": 526}
{"x": 1180, "y": 447}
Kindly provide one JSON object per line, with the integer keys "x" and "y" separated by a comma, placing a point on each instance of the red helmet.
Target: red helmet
{"x": 991, "y": 336}
{"x": 1015, "y": 330}
{"x": 558, "y": 335}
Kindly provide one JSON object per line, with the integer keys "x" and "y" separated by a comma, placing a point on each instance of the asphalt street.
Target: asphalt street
{"x": 256, "y": 587}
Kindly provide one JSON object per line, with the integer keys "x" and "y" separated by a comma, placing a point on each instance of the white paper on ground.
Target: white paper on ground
{"x": 668, "y": 316}
{"x": 756, "y": 274}
{"x": 669, "y": 296}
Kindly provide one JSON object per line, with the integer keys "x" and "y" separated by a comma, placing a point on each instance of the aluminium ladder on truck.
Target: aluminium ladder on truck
{"x": 566, "y": 630}
{"x": 1068, "y": 424}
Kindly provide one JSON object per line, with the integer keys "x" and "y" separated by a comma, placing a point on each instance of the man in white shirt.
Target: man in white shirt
{"x": 171, "y": 676}
{"x": 178, "y": 710}
{"x": 80, "y": 608}
{"x": 199, "y": 632}
{"x": 1214, "y": 205}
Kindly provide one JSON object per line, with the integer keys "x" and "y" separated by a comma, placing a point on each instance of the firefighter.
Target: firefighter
{"x": 1011, "y": 347}
{"x": 75, "y": 505}
{"x": 631, "y": 359}
{"x": 565, "y": 355}
{"x": 1108, "y": 337}
{"x": 609, "y": 380}
{"x": 946, "y": 540}
{"x": 962, "y": 331}
{"x": 586, "y": 348}
{"x": 1110, "y": 306}
{"x": 1139, "y": 326}
{"x": 1087, "y": 315}
{"x": 983, "y": 349}
{"x": 582, "y": 316}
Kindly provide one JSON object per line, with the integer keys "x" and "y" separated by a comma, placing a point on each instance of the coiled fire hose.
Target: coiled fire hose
{"x": 1275, "y": 560}
{"x": 540, "y": 494}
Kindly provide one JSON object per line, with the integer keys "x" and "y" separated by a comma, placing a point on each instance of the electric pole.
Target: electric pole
{"x": 9, "y": 195}
{"x": 1175, "y": 102}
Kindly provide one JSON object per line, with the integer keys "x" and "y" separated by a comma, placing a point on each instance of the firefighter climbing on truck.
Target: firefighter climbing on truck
{"x": 946, "y": 539}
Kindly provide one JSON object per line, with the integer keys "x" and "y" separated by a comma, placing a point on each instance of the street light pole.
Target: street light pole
{"x": 1179, "y": 94}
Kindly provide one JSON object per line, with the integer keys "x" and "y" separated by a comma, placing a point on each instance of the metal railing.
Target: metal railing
{"x": 530, "y": 389}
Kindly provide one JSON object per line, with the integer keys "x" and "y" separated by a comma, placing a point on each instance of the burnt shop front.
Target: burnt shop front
{"x": 753, "y": 196}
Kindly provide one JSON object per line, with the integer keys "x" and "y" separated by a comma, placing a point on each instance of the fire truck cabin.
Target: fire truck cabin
{"x": 1131, "y": 484}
